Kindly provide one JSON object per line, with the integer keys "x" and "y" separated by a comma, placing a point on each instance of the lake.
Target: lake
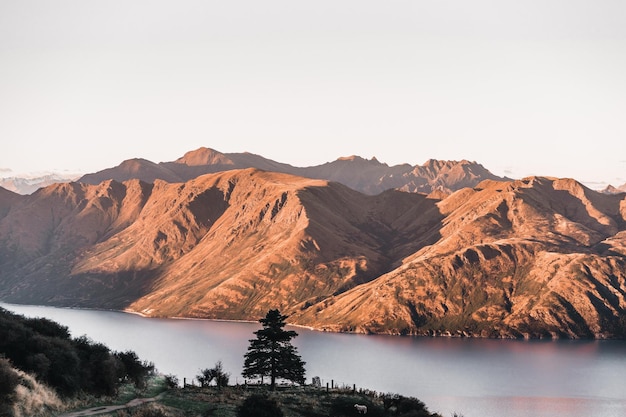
{"x": 472, "y": 377}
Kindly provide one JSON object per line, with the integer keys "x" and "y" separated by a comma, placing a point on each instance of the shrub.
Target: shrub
{"x": 47, "y": 327}
{"x": 133, "y": 369}
{"x": 217, "y": 374}
{"x": 171, "y": 381}
{"x": 411, "y": 407}
{"x": 65, "y": 367}
{"x": 258, "y": 405}
{"x": 98, "y": 368}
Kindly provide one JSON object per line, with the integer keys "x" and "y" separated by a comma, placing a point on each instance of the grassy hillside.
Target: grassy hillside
{"x": 291, "y": 402}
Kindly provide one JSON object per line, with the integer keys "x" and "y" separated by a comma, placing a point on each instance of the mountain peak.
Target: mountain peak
{"x": 135, "y": 164}
{"x": 610, "y": 189}
{"x": 356, "y": 158}
{"x": 204, "y": 156}
{"x": 350, "y": 158}
{"x": 368, "y": 176}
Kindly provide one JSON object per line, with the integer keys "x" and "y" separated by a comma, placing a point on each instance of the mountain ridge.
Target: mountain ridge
{"x": 536, "y": 257}
{"x": 368, "y": 176}
{"x": 27, "y": 184}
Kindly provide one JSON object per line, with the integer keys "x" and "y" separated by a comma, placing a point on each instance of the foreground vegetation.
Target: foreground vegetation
{"x": 295, "y": 401}
{"x": 42, "y": 367}
{"x": 44, "y": 372}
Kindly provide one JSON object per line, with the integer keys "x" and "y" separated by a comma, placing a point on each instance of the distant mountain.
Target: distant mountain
{"x": 191, "y": 165}
{"x": 538, "y": 257}
{"x": 29, "y": 184}
{"x": 615, "y": 190}
{"x": 367, "y": 176}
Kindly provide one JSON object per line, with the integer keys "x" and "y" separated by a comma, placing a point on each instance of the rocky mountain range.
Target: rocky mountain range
{"x": 537, "y": 257}
{"x": 614, "y": 190}
{"x": 367, "y": 176}
{"x": 29, "y": 184}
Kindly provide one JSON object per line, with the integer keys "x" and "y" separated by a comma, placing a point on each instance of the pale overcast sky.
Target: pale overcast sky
{"x": 533, "y": 87}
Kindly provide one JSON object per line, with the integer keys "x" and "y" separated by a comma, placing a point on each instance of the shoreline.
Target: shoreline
{"x": 445, "y": 334}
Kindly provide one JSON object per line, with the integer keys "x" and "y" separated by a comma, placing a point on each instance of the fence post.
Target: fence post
{"x": 327, "y": 387}
{"x": 353, "y": 388}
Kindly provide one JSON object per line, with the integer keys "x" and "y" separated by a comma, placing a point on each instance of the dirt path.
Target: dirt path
{"x": 110, "y": 408}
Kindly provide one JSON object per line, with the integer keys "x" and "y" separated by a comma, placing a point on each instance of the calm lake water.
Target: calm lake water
{"x": 472, "y": 377}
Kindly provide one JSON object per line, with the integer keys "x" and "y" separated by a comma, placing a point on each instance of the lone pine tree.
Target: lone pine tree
{"x": 272, "y": 354}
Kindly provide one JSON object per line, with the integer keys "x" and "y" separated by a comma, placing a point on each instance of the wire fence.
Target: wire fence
{"x": 316, "y": 382}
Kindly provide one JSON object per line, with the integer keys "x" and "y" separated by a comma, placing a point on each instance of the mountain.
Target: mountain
{"x": 7, "y": 199}
{"x": 29, "y": 184}
{"x": 615, "y": 190}
{"x": 367, "y": 176}
{"x": 191, "y": 165}
{"x": 538, "y": 257}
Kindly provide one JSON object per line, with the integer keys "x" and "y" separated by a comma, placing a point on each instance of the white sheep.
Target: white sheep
{"x": 361, "y": 409}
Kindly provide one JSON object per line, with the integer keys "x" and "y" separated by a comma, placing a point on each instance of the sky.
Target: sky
{"x": 533, "y": 87}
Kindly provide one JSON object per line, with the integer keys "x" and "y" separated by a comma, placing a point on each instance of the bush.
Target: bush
{"x": 217, "y": 374}
{"x": 99, "y": 369}
{"x": 47, "y": 327}
{"x": 171, "y": 381}
{"x": 405, "y": 406}
{"x": 65, "y": 368}
{"x": 133, "y": 369}
{"x": 411, "y": 407}
{"x": 258, "y": 405}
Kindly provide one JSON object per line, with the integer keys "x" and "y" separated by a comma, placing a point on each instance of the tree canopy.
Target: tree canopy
{"x": 272, "y": 354}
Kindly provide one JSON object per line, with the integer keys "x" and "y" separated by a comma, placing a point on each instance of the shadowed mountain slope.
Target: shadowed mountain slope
{"x": 7, "y": 198}
{"x": 536, "y": 257}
